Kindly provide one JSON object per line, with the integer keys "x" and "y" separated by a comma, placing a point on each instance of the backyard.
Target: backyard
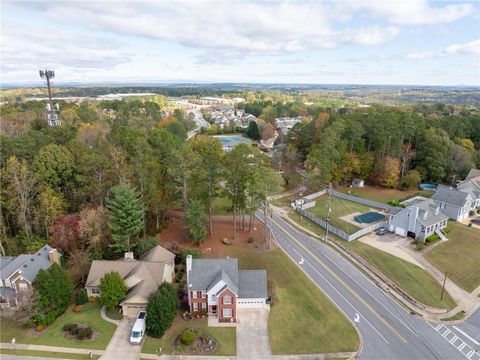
{"x": 411, "y": 278}
{"x": 384, "y": 195}
{"x": 340, "y": 207}
{"x": 90, "y": 315}
{"x": 459, "y": 256}
{"x": 225, "y": 336}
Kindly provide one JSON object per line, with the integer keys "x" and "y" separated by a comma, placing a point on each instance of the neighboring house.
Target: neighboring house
{"x": 420, "y": 219}
{"x": 471, "y": 185}
{"x": 358, "y": 183}
{"x": 455, "y": 203}
{"x": 17, "y": 273}
{"x": 142, "y": 277}
{"x": 217, "y": 287}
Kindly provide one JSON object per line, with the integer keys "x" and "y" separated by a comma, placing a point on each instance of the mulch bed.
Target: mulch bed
{"x": 203, "y": 343}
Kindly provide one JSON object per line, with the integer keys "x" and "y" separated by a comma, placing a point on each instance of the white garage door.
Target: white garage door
{"x": 132, "y": 311}
{"x": 400, "y": 231}
{"x": 250, "y": 303}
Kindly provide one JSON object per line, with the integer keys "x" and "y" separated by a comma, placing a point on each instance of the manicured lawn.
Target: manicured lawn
{"x": 303, "y": 321}
{"x": 340, "y": 207}
{"x": 459, "y": 256}
{"x": 225, "y": 336}
{"x": 90, "y": 315}
{"x": 385, "y": 195}
{"x": 411, "y": 278}
{"x": 49, "y": 354}
{"x": 114, "y": 314}
{"x": 9, "y": 330}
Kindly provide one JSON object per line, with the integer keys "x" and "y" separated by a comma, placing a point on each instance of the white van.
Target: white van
{"x": 138, "y": 330}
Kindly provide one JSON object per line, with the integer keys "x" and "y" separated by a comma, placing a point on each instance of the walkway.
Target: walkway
{"x": 106, "y": 318}
{"x": 252, "y": 334}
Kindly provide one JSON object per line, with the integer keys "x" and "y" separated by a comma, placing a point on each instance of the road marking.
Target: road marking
{"x": 466, "y": 335}
{"x": 301, "y": 261}
{"x": 357, "y": 318}
{"x": 343, "y": 283}
{"x": 463, "y": 346}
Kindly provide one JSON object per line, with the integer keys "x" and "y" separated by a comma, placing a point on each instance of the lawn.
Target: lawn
{"x": 411, "y": 278}
{"x": 226, "y": 337}
{"x": 114, "y": 313}
{"x": 340, "y": 207}
{"x": 49, "y": 354}
{"x": 303, "y": 321}
{"x": 90, "y": 315}
{"x": 459, "y": 256}
{"x": 385, "y": 195}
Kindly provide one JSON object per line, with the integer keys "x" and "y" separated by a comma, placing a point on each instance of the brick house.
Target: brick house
{"x": 218, "y": 288}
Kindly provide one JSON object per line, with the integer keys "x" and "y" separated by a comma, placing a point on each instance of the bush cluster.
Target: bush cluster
{"x": 188, "y": 337}
{"x": 81, "y": 333}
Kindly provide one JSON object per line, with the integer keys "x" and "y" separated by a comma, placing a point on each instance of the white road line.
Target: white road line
{"x": 343, "y": 297}
{"x": 466, "y": 335}
{"x": 463, "y": 347}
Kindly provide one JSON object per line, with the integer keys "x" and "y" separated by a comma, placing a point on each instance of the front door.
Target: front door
{"x": 213, "y": 309}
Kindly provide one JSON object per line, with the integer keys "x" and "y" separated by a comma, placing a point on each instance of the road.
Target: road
{"x": 387, "y": 330}
{"x": 201, "y": 122}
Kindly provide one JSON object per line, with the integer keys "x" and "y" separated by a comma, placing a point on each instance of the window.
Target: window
{"x": 213, "y": 298}
{"x": 96, "y": 291}
{"x": 7, "y": 283}
{"x": 204, "y": 306}
{"x": 194, "y": 294}
{"x": 227, "y": 313}
{"x": 23, "y": 287}
{"x": 227, "y": 300}
{"x": 195, "y": 306}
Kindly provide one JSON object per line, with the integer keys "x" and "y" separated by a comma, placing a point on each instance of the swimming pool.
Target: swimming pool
{"x": 428, "y": 186}
{"x": 232, "y": 139}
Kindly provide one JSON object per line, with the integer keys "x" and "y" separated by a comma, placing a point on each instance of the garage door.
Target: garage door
{"x": 400, "y": 231}
{"x": 250, "y": 303}
{"x": 132, "y": 311}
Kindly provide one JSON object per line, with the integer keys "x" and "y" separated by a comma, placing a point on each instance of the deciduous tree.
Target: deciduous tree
{"x": 112, "y": 289}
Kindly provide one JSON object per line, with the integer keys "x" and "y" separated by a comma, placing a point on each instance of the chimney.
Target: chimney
{"x": 54, "y": 256}
{"x": 437, "y": 210}
{"x": 425, "y": 214}
{"x": 129, "y": 256}
{"x": 189, "y": 263}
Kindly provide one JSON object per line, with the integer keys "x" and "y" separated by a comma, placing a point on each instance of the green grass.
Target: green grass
{"x": 114, "y": 314}
{"x": 49, "y": 354}
{"x": 90, "y": 315}
{"x": 284, "y": 201}
{"x": 303, "y": 321}
{"x": 10, "y": 329}
{"x": 385, "y": 195}
{"x": 458, "y": 316}
{"x": 459, "y": 256}
{"x": 225, "y": 336}
{"x": 340, "y": 207}
{"x": 411, "y": 278}
{"x": 221, "y": 206}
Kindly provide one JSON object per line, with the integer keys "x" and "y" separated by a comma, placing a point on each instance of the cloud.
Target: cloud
{"x": 472, "y": 47}
{"x": 419, "y": 56}
{"x": 374, "y": 35}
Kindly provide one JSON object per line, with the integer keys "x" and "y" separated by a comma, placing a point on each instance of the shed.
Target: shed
{"x": 358, "y": 183}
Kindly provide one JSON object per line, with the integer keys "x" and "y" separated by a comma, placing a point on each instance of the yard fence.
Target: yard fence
{"x": 309, "y": 203}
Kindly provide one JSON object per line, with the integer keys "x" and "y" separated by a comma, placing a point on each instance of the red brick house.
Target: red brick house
{"x": 216, "y": 287}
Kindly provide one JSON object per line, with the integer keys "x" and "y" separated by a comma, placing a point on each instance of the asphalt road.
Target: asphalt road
{"x": 387, "y": 329}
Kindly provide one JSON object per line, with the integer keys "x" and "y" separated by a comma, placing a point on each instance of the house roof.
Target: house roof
{"x": 473, "y": 173}
{"x": 142, "y": 277}
{"x": 429, "y": 207}
{"x": 252, "y": 283}
{"x": 450, "y": 196}
{"x": 29, "y": 265}
{"x": 206, "y": 273}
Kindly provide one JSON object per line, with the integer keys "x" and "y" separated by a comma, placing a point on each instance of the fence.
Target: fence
{"x": 367, "y": 202}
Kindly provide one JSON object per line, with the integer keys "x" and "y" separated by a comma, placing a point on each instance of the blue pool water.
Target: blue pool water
{"x": 428, "y": 186}
{"x": 231, "y": 140}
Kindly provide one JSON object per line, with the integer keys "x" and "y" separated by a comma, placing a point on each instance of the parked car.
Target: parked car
{"x": 382, "y": 231}
{"x": 138, "y": 330}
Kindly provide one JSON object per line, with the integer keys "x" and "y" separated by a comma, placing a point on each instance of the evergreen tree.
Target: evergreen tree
{"x": 161, "y": 309}
{"x": 195, "y": 219}
{"x": 126, "y": 216}
{"x": 252, "y": 131}
{"x": 112, "y": 289}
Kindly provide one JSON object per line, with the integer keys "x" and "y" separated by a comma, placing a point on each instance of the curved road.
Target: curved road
{"x": 387, "y": 330}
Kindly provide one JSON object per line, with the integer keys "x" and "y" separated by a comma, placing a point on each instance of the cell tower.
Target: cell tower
{"x": 52, "y": 111}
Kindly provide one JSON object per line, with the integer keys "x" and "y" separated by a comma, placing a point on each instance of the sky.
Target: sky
{"x": 416, "y": 42}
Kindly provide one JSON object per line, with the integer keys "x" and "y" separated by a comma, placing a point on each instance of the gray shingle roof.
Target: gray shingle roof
{"x": 430, "y": 207}
{"x": 450, "y": 196}
{"x": 30, "y": 265}
{"x": 252, "y": 283}
{"x": 205, "y": 271}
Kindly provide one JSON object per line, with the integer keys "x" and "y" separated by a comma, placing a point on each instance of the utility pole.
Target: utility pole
{"x": 52, "y": 110}
{"x": 443, "y": 287}
{"x": 329, "y": 209}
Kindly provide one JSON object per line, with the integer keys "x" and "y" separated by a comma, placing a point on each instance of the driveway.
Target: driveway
{"x": 119, "y": 346}
{"x": 252, "y": 334}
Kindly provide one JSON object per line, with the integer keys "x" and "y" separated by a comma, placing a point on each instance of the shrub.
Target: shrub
{"x": 419, "y": 244}
{"x": 471, "y": 213}
{"x": 179, "y": 275}
{"x": 188, "y": 337}
{"x": 446, "y": 230}
{"x": 77, "y": 308}
{"x": 196, "y": 254}
{"x": 84, "y": 333}
{"x": 39, "y": 328}
{"x": 74, "y": 330}
{"x": 161, "y": 309}
{"x": 93, "y": 299}
{"x": 431, "y": 238}
{"x": 82, "y": 297}
{"x": 251, "y": 239}
{"x": 69, "y": 327}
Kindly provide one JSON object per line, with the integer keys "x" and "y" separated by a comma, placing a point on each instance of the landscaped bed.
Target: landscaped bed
{"x": 194, "y": 341}
{"x": 459, "y": 256}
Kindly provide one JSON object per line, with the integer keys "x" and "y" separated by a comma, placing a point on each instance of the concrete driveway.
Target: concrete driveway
{"x": 252, "y": 334}
{"x": 119, "y": 346}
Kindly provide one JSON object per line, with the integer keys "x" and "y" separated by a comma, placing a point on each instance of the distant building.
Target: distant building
{"x": 359, "y": 183}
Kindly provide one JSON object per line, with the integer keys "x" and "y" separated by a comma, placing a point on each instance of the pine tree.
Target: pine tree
{"x": 252, "y": 131}
{"x": 126, "y": 216}
{"x": 161, "y": 309}
{"x": 195, "y": 219}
